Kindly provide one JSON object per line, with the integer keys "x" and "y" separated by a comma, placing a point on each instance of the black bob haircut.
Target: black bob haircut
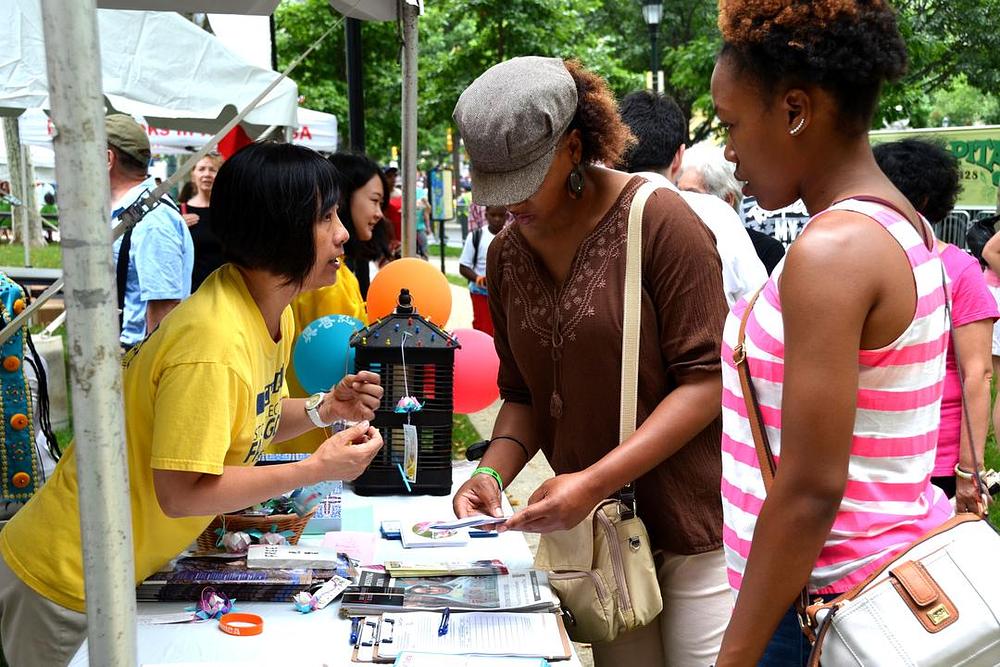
{"x": 266, "y": 201}
{"x": 848, "y": 48}
{"x": 926, "y": 173}
{"x": 355, "y": 169}
{"x": 659, "y": 127}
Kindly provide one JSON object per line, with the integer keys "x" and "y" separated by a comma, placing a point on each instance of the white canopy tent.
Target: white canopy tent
{"x": 157, "y": 65}
{"x": 43, "y": 159}
{"x": 314, "y": 129}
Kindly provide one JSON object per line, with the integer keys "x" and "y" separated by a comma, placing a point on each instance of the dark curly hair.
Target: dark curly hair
{"x": 604, "y": 136}
{"x": 848, "y": 47}
{"x": 925, "y": 172}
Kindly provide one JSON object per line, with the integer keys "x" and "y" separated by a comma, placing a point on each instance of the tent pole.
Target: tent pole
{"x": 72, "y": 55}
{"x": 355, "y": 85}
{"x": 409, "y": 152}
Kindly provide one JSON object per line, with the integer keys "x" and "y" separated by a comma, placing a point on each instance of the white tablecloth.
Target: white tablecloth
{"x": 321, "y": 637}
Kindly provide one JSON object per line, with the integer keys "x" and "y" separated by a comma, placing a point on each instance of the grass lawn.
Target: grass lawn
{"x": 463, "y": 434}
{"x": 434, "y": 250}
{"x": 456, "y": 280}
{"x": 992, "y": 460}
{"x": 47, "y": 257}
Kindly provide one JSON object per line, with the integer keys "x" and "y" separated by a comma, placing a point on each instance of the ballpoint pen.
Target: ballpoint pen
{"x": 443, "y": 627}
{"x": 355, "y": 627}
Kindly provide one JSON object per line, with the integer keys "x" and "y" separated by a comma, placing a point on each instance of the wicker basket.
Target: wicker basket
{"x": 208, "y": 540}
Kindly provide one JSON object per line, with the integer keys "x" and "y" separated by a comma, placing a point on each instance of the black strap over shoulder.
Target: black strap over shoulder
{"x": 121, "y": 268}
{"x": 121, "y": 274}
{"x": 477, "y": 237}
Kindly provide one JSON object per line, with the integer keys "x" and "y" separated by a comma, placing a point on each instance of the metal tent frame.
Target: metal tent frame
{"x": 74, "y": 77}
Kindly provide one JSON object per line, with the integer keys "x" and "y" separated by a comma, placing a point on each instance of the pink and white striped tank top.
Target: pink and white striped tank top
{"x": 889, "y": 500}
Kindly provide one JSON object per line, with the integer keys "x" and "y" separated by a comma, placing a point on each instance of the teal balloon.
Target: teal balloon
{"x": 323, "y": 354}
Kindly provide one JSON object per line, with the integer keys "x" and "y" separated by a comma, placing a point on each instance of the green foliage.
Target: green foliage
{"x": 953, "y": 47}
{"x": 950, "y": 43}
{"x": 962, "y": 104}
{"x": 322, "y": 78}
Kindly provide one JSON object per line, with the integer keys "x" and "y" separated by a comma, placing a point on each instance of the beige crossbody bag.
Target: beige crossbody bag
{"x": 602, "y": 570}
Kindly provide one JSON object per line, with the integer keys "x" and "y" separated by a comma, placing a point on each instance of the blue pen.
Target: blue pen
{"x": 443, "y": 628}
{"x": 355, "y": 627}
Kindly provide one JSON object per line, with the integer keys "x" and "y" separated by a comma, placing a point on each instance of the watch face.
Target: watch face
{"x": 313, "y": 401}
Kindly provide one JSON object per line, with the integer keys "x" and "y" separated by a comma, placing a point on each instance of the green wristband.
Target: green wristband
{"x": 486, "y": 470}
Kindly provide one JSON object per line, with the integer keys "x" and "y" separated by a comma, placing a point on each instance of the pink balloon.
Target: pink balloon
{"x": 476, "y": 367}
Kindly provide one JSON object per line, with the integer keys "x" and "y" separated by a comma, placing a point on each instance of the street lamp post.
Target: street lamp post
{"x": 652, "y": 14}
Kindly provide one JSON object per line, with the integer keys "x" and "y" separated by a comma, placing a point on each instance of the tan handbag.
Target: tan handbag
{"x": 602, "y": 570}
{"x": 937, "y": 604}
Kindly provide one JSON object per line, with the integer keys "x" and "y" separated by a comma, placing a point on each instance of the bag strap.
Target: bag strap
{"x": 765, "y": 455}
{"x": 124, "y": 250}
{"x": 121, "y": 273}
{"x": 631, "y": 321}
{"x": 477, "y": 237}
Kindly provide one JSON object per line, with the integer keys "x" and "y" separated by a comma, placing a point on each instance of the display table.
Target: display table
{"x": 321, "y": 637}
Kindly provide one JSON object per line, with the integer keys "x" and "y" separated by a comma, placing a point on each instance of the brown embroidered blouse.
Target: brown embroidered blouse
{"x": 560, "y": 353}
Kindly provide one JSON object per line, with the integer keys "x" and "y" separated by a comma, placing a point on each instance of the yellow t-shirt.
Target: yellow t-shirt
{"x": 341, "y": 298}
{"x": 202, "y": 392}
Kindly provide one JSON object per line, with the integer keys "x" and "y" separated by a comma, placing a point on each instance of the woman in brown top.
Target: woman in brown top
{"x": 536, "y": 129}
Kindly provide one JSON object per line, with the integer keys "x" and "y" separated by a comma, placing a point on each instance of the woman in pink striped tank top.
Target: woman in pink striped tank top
{"x": 846, "y": 343}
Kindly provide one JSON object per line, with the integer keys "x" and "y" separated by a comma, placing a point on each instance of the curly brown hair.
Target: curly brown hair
{"x": 848, "y": 47}
{"x": 604, "y": 136}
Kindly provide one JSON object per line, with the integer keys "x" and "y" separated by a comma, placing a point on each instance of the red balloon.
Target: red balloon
{"x": 476, "y": 367}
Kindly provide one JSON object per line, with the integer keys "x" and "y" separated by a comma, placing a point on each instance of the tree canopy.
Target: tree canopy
{"x": 953, "y": 46}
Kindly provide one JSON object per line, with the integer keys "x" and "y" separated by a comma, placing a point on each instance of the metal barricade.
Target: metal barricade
{"x": 953, "y": 228}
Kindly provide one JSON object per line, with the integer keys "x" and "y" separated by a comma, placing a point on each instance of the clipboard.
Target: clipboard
{"x": 391, "y": 635}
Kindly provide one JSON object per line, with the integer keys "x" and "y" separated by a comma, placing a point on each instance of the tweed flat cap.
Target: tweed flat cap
{"x": 511, "y": 119}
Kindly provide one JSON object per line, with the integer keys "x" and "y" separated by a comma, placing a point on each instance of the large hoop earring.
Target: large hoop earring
{"x": 798, "y": 126}
{"x": 575, "y": 182}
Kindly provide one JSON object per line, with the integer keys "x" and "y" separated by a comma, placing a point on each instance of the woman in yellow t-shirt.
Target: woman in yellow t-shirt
{"x": 204, "y": 396}
{"x": 363, "y": 190}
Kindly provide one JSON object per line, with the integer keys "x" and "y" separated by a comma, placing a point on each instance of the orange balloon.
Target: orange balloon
{"x": 429, "y": 288}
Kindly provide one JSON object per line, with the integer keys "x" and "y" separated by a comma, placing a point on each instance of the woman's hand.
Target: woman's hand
{"x": 479, "y": 495}
{"x": 190, "y": 219}
{"x": 558, "y": 504}
{"x": 345, "y": 455}
{"x": 968, "y": 498}
{"x": 355, "y": 398}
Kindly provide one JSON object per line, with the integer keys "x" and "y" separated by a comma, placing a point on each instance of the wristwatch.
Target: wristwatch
{"x": 312, "y": 409}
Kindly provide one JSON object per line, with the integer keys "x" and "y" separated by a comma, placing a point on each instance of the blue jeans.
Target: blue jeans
{"x": 788, "y": 646}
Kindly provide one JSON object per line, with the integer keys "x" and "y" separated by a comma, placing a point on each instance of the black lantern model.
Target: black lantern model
{"x": 416, "y": 360}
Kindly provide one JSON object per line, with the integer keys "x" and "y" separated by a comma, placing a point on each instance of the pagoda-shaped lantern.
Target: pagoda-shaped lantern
{"x": 416, "y": 361}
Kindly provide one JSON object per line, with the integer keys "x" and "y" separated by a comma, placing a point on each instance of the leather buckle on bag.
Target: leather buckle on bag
{"x": 739, "y": 354}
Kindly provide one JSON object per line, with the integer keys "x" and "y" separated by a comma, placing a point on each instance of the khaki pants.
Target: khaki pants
{"x": 697, "y": 604}
{"x": 34, "y": 631}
